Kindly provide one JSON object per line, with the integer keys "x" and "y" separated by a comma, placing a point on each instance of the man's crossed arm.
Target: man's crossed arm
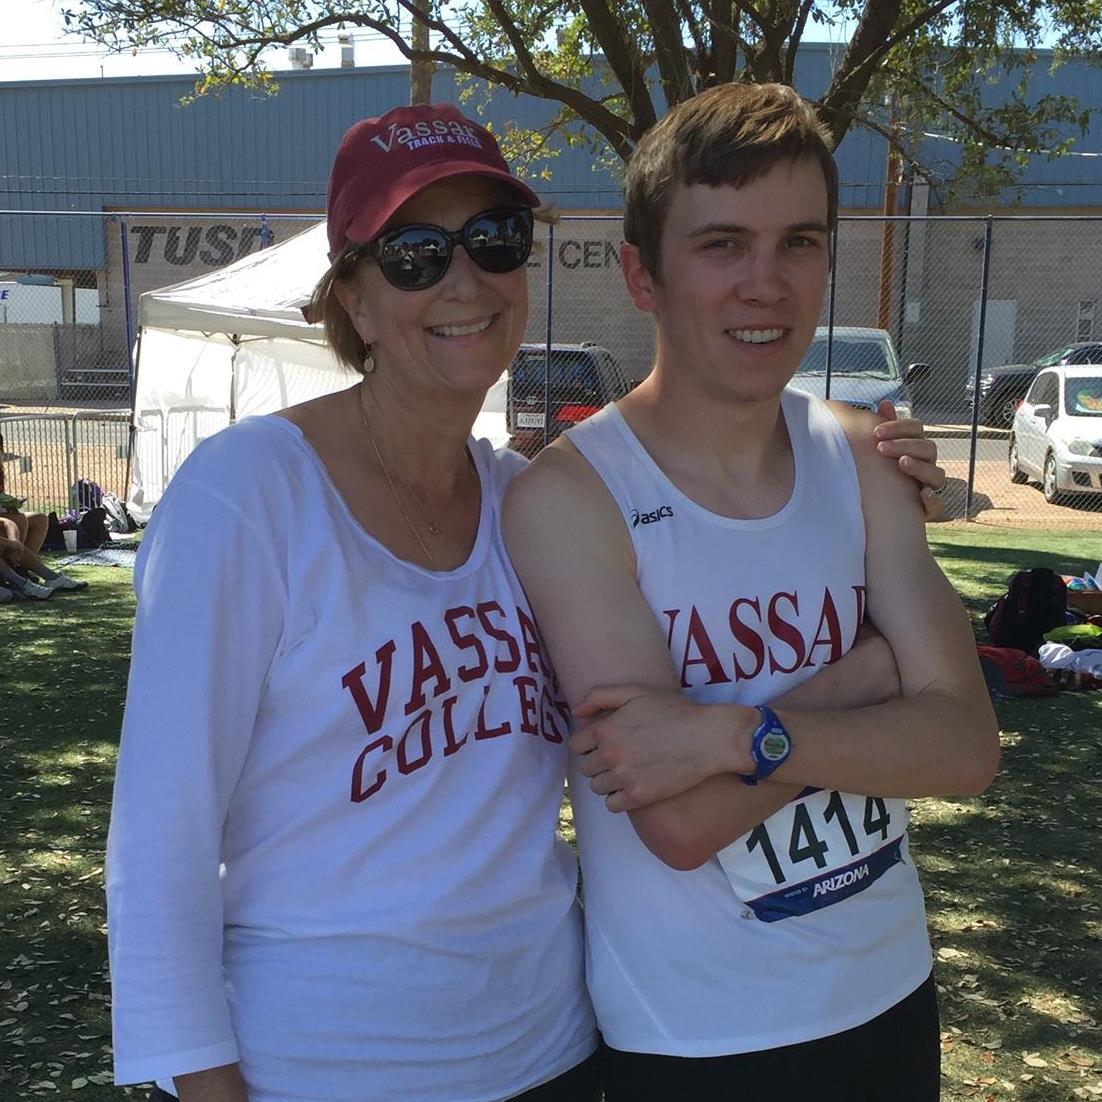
{"x": 674, "y": 764}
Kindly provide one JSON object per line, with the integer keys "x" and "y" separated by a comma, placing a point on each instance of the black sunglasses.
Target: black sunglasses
{"x": 415, "y": 257}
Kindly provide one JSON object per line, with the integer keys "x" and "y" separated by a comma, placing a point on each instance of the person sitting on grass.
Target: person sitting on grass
{"x": 17, "y": 561}
{"x": 21, "y": 538}
{"x": 16, "y": 584}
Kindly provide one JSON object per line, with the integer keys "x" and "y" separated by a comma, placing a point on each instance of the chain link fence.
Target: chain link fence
{"x": 45, "y": 454}
{"x": 919, "y": 310}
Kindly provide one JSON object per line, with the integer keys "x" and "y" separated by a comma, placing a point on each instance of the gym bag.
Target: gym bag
{"x": 1036, "y": 601}
{"x": 1009, "y": 672}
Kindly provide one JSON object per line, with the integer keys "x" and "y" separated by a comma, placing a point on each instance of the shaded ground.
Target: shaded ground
{"x": 61, "y": 691}
{"x": 1013, "y": 878}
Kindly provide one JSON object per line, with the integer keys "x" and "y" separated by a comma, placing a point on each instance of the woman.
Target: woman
{"x": 352, "y": 714}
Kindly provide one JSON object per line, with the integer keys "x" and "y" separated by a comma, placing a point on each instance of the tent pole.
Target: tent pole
{"x": 132, "y": 432}
{"x": 236, "y": 341}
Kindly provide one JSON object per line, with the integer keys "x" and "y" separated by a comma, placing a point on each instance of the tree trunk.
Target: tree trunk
{"x": 420, "y": 72}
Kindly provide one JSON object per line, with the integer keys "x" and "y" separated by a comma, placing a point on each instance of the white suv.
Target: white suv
{"x": 1057, "y": 433}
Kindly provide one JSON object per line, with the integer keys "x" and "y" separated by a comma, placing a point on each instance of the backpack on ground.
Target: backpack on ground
{"x": 92, "y": 528}
{"x": 1035, "y": 602}
{"x": 1009, "y": 672}
{"x": 85, "y": 494}
{"x": 118, "y": 516}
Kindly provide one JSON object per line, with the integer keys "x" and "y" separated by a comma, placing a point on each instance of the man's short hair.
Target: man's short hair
{"x": 730, "y": 134}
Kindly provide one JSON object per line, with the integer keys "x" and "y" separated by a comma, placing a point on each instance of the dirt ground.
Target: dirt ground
{"x": 998, "y": 501}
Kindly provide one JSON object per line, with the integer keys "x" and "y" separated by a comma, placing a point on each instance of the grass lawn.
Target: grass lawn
{"x": 1013, "y": 878}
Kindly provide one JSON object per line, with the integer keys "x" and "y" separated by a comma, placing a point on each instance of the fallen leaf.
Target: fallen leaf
{"x": 1080, "y": 1059}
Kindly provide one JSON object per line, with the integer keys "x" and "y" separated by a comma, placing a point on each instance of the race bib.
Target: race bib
{"x": 818, "y": 850}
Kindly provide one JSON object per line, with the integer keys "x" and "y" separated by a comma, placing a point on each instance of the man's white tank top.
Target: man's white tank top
{"x": 813, "y": 922}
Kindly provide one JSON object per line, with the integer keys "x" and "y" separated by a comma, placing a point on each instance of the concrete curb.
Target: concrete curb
{"x": 957, "y": 432}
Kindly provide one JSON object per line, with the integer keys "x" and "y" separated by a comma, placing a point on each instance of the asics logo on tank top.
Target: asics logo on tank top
{"x": 483, "y": 644}
{"x": 653, "y": 517}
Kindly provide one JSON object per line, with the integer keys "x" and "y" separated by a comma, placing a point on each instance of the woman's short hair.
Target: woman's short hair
{"x": 731, "y": 134}
{"x": 346, "y": 343}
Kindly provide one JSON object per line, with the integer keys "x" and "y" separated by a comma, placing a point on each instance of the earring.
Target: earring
{"x": 369, "y": 361}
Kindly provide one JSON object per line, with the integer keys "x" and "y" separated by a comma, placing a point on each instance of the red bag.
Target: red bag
{"x": 1009, "y": 672}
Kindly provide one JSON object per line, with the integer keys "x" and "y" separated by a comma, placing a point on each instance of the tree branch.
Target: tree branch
{"x": 669, "y": 51}
{"x": 780, "y": 25}
{"x": 838, "y": 105}
{"x": 973, "y": 125}
{"x": 696, "y": 32}
{"x": 920, "y": 20}
{"x": 754, "y": 15}
{"x": 624, "y": 61}
{"x": 735, "y": 38}
{"x": 795, "y": 38}
{"x": 725, "y": 40}
{"x": 696, "y": 43}
{"x": 904, "y": 152}
{"x": 614, "y": 127}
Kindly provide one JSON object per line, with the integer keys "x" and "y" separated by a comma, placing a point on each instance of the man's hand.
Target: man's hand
{"x": 628, "y": 752}
{"x": 906, "y": 442}
{"x": 645, "y": 744}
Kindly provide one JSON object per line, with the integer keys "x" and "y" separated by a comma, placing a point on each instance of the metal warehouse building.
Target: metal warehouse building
{"x": 81, "y": 152}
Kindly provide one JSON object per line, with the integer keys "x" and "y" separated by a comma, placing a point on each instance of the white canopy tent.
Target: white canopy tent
{"x": 231, "y": 344}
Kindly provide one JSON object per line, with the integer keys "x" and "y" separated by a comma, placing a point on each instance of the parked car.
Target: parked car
{"x": 1003, "y": 387}
{"x": 582, "y": 378}
{"x": 864, "y": 369}
{"x": 1056, "y": 438}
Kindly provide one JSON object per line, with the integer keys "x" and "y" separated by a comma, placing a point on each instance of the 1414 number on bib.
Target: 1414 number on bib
{"x": 816, "y": 851}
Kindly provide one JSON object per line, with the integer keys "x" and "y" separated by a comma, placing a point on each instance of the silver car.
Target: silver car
{"x": 864, "y": 368}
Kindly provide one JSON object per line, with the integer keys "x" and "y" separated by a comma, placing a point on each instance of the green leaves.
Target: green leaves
{"x": 955, "y": 68}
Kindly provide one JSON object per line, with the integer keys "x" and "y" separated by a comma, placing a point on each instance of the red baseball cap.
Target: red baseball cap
{"x": 382, "y": 162}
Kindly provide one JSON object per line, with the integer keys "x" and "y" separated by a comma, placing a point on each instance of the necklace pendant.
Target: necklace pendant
{"x": 434, "y": 528}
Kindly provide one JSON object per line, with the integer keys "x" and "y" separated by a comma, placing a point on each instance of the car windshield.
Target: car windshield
{"x": 573, "y": 376}
{"x": 869, "y": 358}
{"x": 1053, "y": 358}
{"x": 1083, "y": 397}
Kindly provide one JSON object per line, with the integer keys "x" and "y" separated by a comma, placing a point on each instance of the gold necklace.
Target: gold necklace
{"x": 432, "y": 526}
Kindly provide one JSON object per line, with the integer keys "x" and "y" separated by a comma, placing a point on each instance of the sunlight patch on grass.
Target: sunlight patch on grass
{"x": 947, "y": 812}
{"x": 76, "y": 757}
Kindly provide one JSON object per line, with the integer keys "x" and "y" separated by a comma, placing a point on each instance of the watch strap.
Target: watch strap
{"x": 770, "y": 746}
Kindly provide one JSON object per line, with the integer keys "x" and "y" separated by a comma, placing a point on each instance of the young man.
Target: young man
{"x": 727, "y": 540}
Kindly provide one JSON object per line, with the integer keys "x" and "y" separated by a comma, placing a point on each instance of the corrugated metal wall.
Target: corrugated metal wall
{"x": 128, "y": 143}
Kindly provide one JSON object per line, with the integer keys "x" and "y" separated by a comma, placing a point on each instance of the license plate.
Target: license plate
{"x": 530, "y": 420}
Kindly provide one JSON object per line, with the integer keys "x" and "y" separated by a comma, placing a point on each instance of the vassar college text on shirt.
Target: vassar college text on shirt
{"x": 765, "y": 628}
{"x": 472, "y": 644}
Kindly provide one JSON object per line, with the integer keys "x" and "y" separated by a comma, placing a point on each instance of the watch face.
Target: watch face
{"x": 774, "y": 746}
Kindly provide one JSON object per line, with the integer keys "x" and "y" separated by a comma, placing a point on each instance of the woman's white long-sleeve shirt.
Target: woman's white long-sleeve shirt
{"x": 332, "y": 853}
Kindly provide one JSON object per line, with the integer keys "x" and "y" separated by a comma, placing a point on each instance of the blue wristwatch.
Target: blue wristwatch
{"x": 770, "y": 746}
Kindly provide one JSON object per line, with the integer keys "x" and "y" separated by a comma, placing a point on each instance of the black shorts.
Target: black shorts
{"x": 581, "y": 1083}
{"x": 895, "y": 1057}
